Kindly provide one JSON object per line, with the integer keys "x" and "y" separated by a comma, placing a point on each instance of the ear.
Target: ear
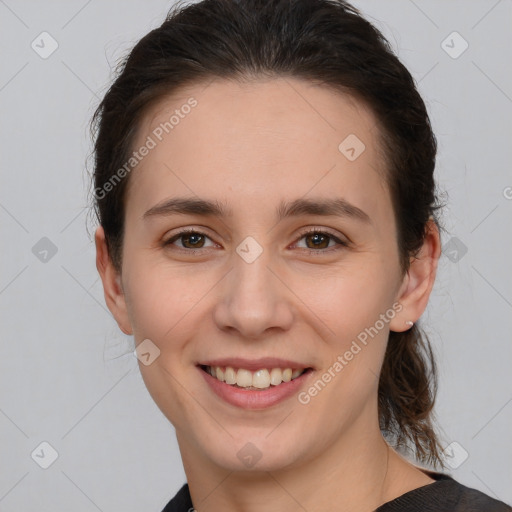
{"x": 112, "y": 287}
{"x": 419, "y": 280}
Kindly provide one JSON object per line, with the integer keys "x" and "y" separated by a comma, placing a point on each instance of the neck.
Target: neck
{"x": 353, "y": 473}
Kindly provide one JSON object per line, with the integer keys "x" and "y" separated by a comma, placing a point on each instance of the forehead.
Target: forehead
{"x": 259, "y": 138}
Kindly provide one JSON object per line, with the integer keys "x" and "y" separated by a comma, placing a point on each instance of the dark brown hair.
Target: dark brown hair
{"x": 322, "y": 41}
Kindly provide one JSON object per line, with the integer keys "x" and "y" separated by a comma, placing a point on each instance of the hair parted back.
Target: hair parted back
{"x": 326, "y": 42}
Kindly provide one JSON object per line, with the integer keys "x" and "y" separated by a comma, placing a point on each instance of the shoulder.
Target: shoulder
{"x": 472, "y": 500}
{"x": 181, "y": 501}
{"x": 445, "y": 494}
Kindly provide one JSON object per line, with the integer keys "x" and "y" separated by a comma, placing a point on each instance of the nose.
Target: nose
{"x": 254, "y": 301}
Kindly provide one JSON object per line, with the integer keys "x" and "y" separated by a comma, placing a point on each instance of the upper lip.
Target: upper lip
{"x": 255, "y": 364}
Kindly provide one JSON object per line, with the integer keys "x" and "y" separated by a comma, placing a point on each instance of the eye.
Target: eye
{"x": 318, "y": 241}
{"x": 190, "y": 240}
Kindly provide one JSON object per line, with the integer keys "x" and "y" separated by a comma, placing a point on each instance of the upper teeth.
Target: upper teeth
{"x": 260, "y": 379}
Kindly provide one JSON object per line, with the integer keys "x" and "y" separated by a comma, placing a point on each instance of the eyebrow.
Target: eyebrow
{"x": 321, "y": 207}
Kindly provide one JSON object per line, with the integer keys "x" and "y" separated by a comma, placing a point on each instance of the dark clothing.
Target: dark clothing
{"x": 443, "y": 495}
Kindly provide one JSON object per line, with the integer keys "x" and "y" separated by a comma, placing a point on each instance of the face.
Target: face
{"x": 288, "y": 264}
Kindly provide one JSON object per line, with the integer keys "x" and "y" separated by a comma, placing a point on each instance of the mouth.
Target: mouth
{"x": 258, "y": 380}
{"x": 254, "y": 383}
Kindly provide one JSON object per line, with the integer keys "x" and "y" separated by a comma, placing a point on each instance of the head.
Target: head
{"x": 294, "y": 145}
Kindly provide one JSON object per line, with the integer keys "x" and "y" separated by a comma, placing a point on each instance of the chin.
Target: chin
{"x": 253, "y": 453}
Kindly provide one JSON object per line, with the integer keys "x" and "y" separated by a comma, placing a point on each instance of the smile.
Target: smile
{"x": 260, "y": 379}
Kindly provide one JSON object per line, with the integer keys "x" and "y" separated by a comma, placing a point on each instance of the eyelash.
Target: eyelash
{"x": 313, "y": 231}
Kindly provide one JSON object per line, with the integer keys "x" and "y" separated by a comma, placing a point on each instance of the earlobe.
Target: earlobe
{"x": 419, "y": 280}
{"x": 112, "y": 285}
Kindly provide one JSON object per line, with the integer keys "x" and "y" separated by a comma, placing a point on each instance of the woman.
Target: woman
{"x": 268, "y": 234}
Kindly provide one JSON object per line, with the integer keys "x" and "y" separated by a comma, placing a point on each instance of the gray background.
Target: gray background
{"x": 68, "y": 376}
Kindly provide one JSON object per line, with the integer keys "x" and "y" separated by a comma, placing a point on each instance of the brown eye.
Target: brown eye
{"x": 317, "y": 241}
{"x": 192, "y": 239}
{"x": 189, "y": 239}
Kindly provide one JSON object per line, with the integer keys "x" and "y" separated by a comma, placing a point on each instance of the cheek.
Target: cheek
{"x": 357, "y": 308}
{"x": 156, "y": 303}
{"x": 165, "y": 304}
{"x": 349, "y": 298}
{"x": 356, "y": 304}
{"x": 161, "y": 306}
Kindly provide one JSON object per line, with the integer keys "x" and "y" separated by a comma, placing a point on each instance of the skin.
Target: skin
{"x": 251, "y": 146}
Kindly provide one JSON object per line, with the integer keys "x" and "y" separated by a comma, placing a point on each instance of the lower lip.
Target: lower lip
{"x": 253, "y": 399}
